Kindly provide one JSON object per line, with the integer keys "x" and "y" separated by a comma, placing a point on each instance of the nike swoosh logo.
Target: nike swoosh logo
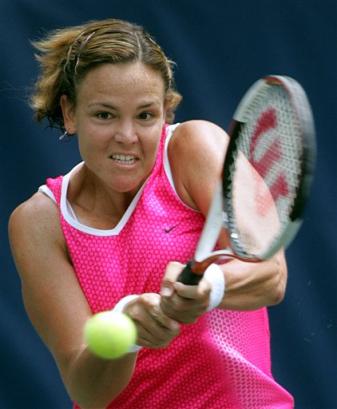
{"x": 169, "y": 229}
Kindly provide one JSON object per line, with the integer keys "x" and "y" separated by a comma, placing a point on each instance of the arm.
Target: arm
{"x": 196, "y": 156}
{"x": 57, "y": 307}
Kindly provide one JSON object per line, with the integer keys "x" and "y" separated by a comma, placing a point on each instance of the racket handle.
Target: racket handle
{"x": 188, "y": 277}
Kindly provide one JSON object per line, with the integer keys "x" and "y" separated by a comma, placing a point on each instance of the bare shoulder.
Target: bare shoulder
{"x": 198, "y": 135}
{"x": 35, "y": 203}
{"x": 196, "y": 153}
{"x": 33, "y": 226}
{"x": 38, "y": 213}
{"x": 196, "y": 157}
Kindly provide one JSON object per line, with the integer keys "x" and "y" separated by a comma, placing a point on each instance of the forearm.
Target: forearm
{"x": 254, "y": 285}
{"x": 93, "y": 382}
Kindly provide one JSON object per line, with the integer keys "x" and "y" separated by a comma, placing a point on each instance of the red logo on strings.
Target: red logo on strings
{"x": 267, "y": 121}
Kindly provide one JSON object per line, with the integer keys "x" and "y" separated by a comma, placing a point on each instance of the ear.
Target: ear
{"x": 172, "y": 100}
{"x": 68, "y": 112}
{"x": 167, "y": 111}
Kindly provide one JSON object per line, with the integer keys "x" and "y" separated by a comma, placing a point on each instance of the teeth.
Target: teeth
{"x": 123, "y": 158}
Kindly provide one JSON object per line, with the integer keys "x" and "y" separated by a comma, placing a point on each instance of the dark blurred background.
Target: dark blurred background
{"x": 220, "y": 47}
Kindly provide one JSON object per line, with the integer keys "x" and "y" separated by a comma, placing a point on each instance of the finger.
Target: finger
{"x": 199, "y": 292}
{"x": 147, "y": 332}
{"x": 172, "y": 271}
{"x": 184, "y": 310}
{"x": 163, "y": 320}
{"x": 204, "y": 287}
{"x": 151, "y": 338}
{"x": 176, "y": 305}
{"x": 153, "y": 334}
{"x": 155, "y": 314}
{"x": 186, "y": 316}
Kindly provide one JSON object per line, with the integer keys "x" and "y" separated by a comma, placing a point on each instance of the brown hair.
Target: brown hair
{"x": 66, "y": 55}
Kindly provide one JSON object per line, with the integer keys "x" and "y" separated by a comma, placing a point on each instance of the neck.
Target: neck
{"x": 91, "y": 198}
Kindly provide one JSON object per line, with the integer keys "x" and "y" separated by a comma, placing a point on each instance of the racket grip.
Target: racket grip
{"x": 188, "y": 277}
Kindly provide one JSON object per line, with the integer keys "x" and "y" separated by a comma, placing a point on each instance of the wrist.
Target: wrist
{"x": 215, "y": 276}
{"x": 120, "y": 307}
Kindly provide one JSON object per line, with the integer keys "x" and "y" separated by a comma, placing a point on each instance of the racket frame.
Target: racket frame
{"x": 302, "y": 110}
{"x": 204, "y": 256}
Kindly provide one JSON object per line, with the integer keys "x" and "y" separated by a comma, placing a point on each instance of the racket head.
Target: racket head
{"x": 269, "y": 167}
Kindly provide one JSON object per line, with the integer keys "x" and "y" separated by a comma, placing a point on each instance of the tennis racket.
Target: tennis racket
{"x": 266, "y": 178}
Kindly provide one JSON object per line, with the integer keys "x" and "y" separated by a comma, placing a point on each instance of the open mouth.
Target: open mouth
{"x": 124, "y": 159}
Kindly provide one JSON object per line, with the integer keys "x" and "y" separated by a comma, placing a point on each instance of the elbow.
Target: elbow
{"x": 278, "y": 289}
{"x": 90, "y": 401}
{"x": 95, "y": 383}
{"x": 277, "y": 295}
{"x": 87, "y": 399}
{"x": 90, "y": 404}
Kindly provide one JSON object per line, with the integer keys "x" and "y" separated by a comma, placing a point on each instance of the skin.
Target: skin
{"x": 120, "y": 110}
{"x": 249, "y": 286}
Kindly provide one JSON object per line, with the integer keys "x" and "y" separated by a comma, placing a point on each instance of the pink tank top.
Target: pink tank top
{"x": 220, "y": 362}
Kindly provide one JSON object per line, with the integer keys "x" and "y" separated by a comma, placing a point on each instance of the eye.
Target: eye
{"x": 145, "y": 115}
{"x": 104, "y": 115}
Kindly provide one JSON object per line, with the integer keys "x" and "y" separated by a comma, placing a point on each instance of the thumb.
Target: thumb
{"x": 204, "y": 287}
{"x": 172, "y": 271}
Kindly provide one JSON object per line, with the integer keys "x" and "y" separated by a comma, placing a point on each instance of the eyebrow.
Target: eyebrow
{"x": 110, "y": 106}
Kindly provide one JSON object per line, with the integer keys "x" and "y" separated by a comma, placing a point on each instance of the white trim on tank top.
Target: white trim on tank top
{"x": 70, "y": 216}
{"x": 167, "y": 166}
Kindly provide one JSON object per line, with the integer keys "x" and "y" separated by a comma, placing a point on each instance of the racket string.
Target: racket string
{"x": 266, "y": 172}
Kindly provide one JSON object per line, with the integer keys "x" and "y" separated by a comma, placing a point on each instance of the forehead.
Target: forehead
{"x": 127, "y": 80}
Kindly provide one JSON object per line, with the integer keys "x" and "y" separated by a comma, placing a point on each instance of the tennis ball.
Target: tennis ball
{"x": 109, "y": 335}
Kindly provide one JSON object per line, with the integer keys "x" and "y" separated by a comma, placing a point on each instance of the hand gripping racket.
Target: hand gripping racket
{"x": 266, "y": 178}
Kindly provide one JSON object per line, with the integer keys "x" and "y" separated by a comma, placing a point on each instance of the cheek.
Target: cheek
{"x": 152, "y": 146}
{"x": 89, "y": 149}
{"x": 155, "y": 135}
{"x": 91, "y": 139}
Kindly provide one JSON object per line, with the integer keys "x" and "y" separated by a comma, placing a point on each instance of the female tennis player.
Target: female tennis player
{"x": 116, "y": 231}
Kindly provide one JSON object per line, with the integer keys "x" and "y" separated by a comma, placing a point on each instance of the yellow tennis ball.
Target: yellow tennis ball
{"x": 109, "y": 335}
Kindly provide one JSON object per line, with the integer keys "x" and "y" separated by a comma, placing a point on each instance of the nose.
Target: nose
{"x": 125, "y": 132}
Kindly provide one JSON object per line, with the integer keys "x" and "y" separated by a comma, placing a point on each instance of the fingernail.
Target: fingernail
{"x": 166, "y": 292}
{"x": 175, "y": 326}
{"x": 178, "y": 286}
{"x": 204, "y": 286}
